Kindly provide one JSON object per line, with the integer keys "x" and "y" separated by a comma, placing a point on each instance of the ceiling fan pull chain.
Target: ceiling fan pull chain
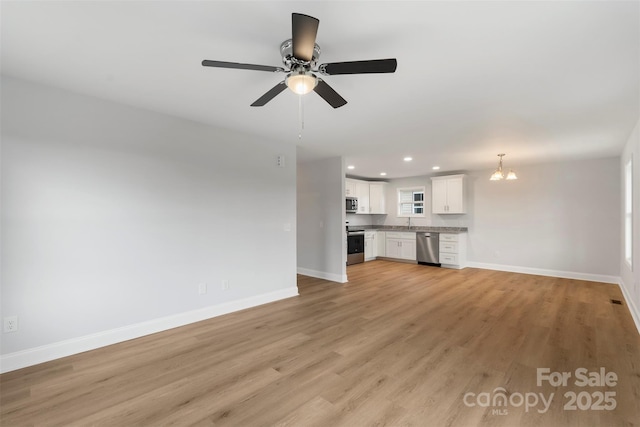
{"x": 300, "y": 115}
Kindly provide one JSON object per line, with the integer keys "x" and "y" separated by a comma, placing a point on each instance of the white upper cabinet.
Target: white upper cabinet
{"x": 370, "y": 195}
{"x": 448, "y": 194}
{"x": 376, "y": 198}
{"x": 362, "y": 193}
{"x": 350, "y": 188}
{"x": 438, "y": 196}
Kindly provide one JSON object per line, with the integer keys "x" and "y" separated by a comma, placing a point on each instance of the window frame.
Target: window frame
{"x": 628, "y": 212}
{"x": 414, "y": 203}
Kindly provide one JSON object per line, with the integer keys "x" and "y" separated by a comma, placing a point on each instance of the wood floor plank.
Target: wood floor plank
{"x": 399, "y": 344}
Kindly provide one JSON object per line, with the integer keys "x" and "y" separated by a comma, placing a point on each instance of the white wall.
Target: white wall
{"x": 631, "y": 276}
{"x": 321, "y": 219}
{"x": 559, "y": 217}
{"x": 556, "y": 218}
{"x": 112, "y": 216}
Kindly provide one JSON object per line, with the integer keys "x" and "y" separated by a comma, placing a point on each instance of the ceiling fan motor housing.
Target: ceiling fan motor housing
{"x": 293, "y": 63}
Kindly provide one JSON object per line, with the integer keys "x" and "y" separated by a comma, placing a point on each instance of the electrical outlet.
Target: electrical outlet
{"x": 202, "y": 288}
{"x": 225, "y": 285}
{"x": 10, "y": 324}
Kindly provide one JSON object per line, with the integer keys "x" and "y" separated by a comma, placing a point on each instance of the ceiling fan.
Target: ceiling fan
{"x": 300, "y": 56}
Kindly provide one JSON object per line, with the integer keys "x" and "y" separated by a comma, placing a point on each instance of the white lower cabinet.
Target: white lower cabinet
{"x": 392, "y": 248}
{"x": 408, "y": 249}
{"x": 453, "y": 250}
{"x": 382, "y": 243}
{"x": 370, "y": 245}
{"x": 400, "y": 245}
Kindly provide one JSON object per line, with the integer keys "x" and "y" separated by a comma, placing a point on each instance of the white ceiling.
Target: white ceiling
{"x": 540, "y": 81}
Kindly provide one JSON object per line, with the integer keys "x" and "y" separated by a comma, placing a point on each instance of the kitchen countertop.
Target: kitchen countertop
{"x": 401, "y": 228}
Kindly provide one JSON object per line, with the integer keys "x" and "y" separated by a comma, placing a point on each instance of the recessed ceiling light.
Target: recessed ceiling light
{"x": 383, "y": 173}
{"x": 351, "y": 167}
{"x": 435, "y": 168}
{"x": 408, "y": 159}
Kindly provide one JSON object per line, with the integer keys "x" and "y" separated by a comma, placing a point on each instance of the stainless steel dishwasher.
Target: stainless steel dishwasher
{"x": 428, "y": 248}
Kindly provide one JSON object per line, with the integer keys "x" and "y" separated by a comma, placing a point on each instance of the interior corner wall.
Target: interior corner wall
{"x": 321, "y": 233}
{"x": 114, "y": 216}
{"x": 630, "y": 276}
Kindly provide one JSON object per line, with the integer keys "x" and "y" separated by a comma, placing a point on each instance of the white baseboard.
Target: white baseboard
{"x": 323, "y": 275}
{"x": 633, "y": 309}
{"x": 544, "y": 272}
{"x": 33, "y": 356}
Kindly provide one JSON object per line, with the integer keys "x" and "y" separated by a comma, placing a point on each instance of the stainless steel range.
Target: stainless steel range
{"x": 355, "y": 246}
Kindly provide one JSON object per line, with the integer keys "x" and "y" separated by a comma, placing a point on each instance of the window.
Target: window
{"x": 411, "y": 202}
{"x": 628, "y": 213}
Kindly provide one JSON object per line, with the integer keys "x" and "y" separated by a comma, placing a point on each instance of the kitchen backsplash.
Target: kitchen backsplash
{"x": 429, "y": 221}
{"x": 354, "y": 219}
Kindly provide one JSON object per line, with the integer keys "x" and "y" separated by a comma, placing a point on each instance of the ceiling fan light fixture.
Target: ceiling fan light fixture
{"x": 511, "y": 174}
{"x": 301, "y": 82}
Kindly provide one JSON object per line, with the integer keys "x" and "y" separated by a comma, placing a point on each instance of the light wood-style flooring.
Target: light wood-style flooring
{"x": 399, "y": 345}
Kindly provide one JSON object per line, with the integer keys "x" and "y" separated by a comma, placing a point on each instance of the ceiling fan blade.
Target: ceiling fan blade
{"x": 359, "y": 67}
{"x": 239, "y": 66}
{"x": 270, "y": 94}
{"x": 303, "y": 30}
{"x": 327, "y": 93}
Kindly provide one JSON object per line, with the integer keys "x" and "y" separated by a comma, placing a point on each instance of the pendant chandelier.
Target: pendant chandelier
{"x": 499, "y": 175}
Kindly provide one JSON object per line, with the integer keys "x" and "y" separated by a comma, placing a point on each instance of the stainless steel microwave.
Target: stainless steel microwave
{"x": 352, "y": 204}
